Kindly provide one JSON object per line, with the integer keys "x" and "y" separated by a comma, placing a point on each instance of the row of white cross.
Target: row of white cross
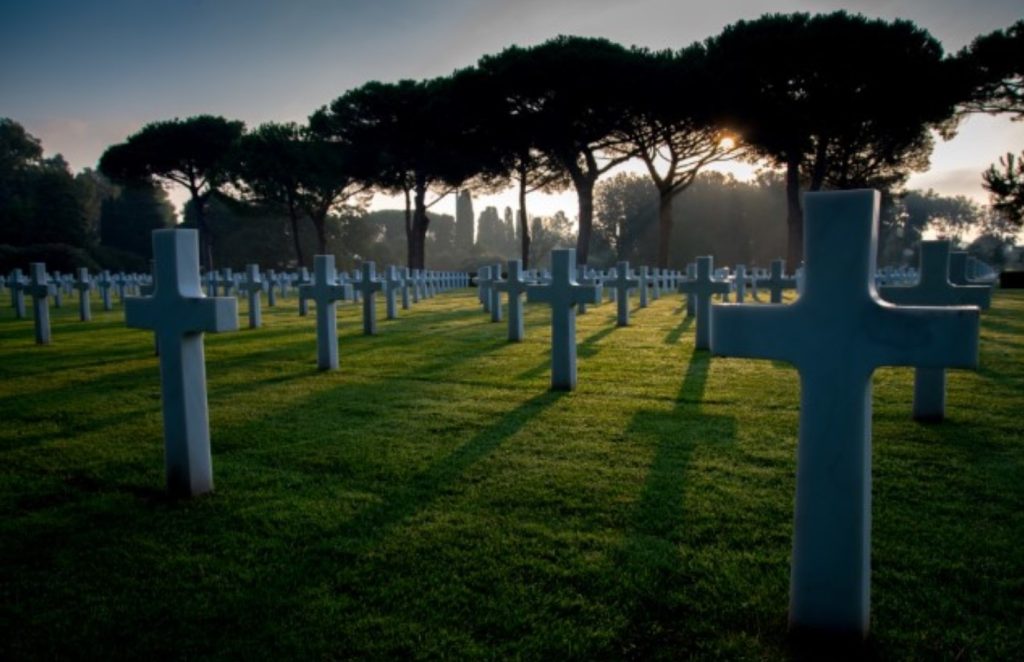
{"x": 836, "y": 333}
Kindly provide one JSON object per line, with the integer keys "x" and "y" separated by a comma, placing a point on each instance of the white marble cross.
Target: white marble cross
{"x": 934, "y": 289}
{"x": 645, "y": 281}
{"x": 406, "y": 282}
{"x": 105, "y": 283}
{"x": 325, "y": 292}
{"x": 836, "y": 334}
{"x": 495, "y": 293}
{"x": 562, "y": 294}
{"x": 16, "y": 284}
{"x": 273, "y": 284}
{"x": 368, "y": 286}
{"x": 180, "y": 313}
{"x": 392, "y": 283}
{"x": 701, "y": 288}
{"x": 483, "y": 284}
{"x": 623, "y": 283}
{"x": 84, "y": 286}
{"x": 39, "y": 289}
{"x": 303, "y": 282}
{"x": 740, "y": 282}
{"x": 691, "y": 301}
{"x": 253, "y": 287}
{"x": 515, "y": 285}
{"x": 777, "y": 281}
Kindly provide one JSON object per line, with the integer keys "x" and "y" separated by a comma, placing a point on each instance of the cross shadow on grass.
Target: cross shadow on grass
{"x": 585, "y": 349}
{"x": 404, "y": 501}
{"x": 673, "y": 336}
{"x": 651, "y": 565}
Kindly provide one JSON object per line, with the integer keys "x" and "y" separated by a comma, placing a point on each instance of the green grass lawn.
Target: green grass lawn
{"x": 434, "y": 499}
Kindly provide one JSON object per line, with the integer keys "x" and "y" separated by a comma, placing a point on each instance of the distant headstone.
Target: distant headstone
{"x": 934, "y": 289}
{"x": 392, "y": 283}
{"x": 740, "y": 283}
{"x": 623, "y": 283}
{"x": 515, "y": 286}
{"x": 495, "y": 293}
{"x": 691, "y": 301}
{"x": 562, "y": 294}
{"x": 645, "y": 282}
{"x": 253, "y": 287}
{"x": 836, "y": 334}
{"x": 483, "y": 284}
{"x": 16, "y": 284}
{"x": 406, "y": 283}
{"x": 325, "y": 292}
{"x": 368, "y": 286}
{"x": 84, "y": 286}
{"x": 106, "y": 283}
{"x": 39, "y": 289}
{"x": 777, "y": 281}
{"x": 179, "y": 313}
{"x": 702, "y": 288}
{"x": 272, "y": 286}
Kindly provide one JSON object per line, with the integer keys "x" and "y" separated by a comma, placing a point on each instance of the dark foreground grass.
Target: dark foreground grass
{"x": 434, "y": 499}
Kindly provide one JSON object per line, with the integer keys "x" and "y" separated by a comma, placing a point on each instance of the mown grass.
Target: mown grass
{"x": 434, "y": 499}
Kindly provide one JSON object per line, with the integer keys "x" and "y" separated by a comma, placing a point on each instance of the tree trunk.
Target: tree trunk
{"x": 820, "y": 166}
{"x": 320, "y": 222}
{"x": 524, "y": 225}
{"x": 205, "y": 240}
{"x": 409, "y": 252}
{"x": 665, "y": 199}
{"x": 794, "y": 215}
{"x": 585, "y": 195}
{"x": 420, "y": 221}
{"x": 293, "y": 216}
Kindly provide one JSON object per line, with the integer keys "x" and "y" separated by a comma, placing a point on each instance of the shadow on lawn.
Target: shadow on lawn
{"x": 586, "y": 348}
{"x": 651, "y": 570}
{"x": 404, "y": 501}
{"x": 674, "y": 335}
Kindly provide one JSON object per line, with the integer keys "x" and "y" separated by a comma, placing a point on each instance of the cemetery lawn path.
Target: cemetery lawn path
{"x": 434, "y": 499}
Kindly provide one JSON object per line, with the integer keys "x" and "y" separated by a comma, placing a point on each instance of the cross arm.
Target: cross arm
{"x": 755, "y": 332}
{"x": 922, "y": 337}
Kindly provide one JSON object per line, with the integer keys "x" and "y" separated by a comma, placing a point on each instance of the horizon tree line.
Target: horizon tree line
{"x": 835, "y": 101}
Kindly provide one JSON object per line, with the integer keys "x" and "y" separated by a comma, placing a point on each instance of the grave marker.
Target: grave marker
{"x": 701, "y": 288}
{"x": 836, "y": 334}
{"x": 368, "y": 286}
{"x": 515, "y": 285}
{"x": 391, "y": 284}
{"x": 84, "y": 286}
{"x": 325, "y": 293}
{"x": 17, "y": 287}
{"x": 179, "y": 314}
{"x": 253, "y": 286}
{"x": 39, "y": 289}
{"x": 495, "y": 293}
{"x": 562, "y": 294}
{"x": 934, "y": 289}
{"x": 621, "y": 286}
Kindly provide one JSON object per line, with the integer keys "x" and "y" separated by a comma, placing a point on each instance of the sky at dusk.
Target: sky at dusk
{"x": 83, "y": 75}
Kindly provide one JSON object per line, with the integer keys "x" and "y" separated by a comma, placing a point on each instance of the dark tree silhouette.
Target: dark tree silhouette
{"x": 572, "y": 96}
{"x": 511, "y": 130}
{"x": 192, "y": 153}
{"x": 41, "y": 202}
{"x": 422, "y": 138}
{"x": 1006, "y": 186}
{"x": 994, "y": 64}
{"x": 269, "y": 163}
{"x": 826, "y": 94}
{"x": 675, "y": 128}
